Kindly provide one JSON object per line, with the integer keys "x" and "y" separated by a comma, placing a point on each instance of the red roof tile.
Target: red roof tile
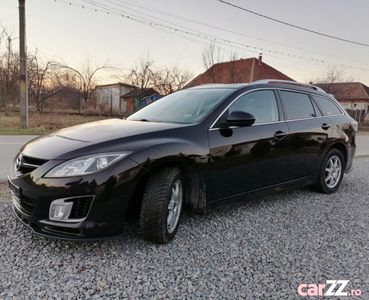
{"x": 346, "y": 90}
{"x": 238, "y": 71}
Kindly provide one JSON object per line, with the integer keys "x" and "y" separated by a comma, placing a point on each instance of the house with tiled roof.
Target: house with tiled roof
{"x": 239, "y": 71}
{"x": 121, "y": 96}
{"x": 132, "y": 98}
{"x": 353, "y": 96}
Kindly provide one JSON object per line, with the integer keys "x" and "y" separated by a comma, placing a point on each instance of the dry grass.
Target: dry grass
{"x": 4, "y": 191}
{"x": 40, "y": 123}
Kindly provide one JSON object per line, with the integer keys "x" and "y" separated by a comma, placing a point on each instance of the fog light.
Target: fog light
{"x": 60, "y": 210}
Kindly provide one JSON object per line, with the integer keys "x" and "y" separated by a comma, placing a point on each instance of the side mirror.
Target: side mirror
{"x": 240, "y": 118}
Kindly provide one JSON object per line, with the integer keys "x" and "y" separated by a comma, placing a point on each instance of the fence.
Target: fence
{"x": 361, "y": 116}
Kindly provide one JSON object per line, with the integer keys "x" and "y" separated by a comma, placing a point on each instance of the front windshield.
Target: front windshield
{"x": 184, "y": 107}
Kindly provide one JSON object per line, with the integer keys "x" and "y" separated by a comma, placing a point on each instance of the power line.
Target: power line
{"x": 194, "y": 35}
{"x": 291, "y": 25}
{"x": 284, "y": 53}
{"x": 153, "y": 9}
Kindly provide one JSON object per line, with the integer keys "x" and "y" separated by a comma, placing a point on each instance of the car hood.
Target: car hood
{"x": 109, "y": 134}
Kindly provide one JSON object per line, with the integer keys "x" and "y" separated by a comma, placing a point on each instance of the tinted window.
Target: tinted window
{"x": 185, "y": 107}
{"x": 297, "y": 105}
{"x": 327, "y": 106}
{"x": 261, "y": 104}
{"x": 318, "y": 113}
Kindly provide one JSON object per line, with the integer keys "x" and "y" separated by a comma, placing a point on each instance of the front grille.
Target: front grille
{"x": 80, "y": 208}
{"x": 24, "y": 204}
{"x": 27, "y": 204}
{"x": 26, "y": 164}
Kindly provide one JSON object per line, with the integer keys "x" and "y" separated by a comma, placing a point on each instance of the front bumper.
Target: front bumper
{"x": 100, "y": 202}
{"x": 69, "y": 232}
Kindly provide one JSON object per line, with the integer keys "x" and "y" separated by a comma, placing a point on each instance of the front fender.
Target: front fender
{"x": 191, "y": 159}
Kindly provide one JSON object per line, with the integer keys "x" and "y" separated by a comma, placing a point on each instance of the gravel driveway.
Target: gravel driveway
{"x": 260, "y": 249}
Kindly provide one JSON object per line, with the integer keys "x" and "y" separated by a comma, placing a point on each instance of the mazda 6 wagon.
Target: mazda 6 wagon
{"x": 200, "y": 147}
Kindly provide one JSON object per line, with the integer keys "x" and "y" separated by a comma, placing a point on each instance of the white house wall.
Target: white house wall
{"x": 355, "y": 105}
{"x": 108, "y": 95}
{"x": 111, "y": 95}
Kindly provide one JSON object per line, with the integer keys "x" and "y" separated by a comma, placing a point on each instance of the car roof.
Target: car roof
{"x": 275, "y": 82}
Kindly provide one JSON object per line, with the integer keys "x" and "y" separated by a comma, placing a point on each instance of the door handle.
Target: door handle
{"x": 280, "y": 134}
{"x": 326, "y": 126}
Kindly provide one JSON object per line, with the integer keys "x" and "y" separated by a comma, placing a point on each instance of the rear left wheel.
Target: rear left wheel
{"x": 162, "y": 204}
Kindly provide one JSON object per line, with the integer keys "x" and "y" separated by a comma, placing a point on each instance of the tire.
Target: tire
{"x": 162, "y": 204}
{"x": 331, "y": 172}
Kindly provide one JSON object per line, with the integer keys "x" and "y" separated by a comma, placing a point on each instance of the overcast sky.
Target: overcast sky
{"x": 176, "y": 32}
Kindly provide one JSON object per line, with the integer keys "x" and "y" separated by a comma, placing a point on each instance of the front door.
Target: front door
{"x": 249, "y": 158}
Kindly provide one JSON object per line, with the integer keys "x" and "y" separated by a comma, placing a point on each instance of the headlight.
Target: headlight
{"x": 85, "y": 164}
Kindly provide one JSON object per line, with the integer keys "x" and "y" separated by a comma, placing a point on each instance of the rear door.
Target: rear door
{"x": 309, "y": 131}
{"x": 252, "y": 157}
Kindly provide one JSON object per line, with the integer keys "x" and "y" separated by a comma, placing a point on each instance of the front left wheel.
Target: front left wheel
{"x": 162, "y": 204}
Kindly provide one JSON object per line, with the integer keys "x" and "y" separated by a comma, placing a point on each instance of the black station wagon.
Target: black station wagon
{"x": 200, "y": 147}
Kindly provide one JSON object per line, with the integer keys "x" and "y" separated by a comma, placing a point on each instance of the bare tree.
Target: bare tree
{"x": 331, "y": 76}
{"x": 64, "y": 90}
{"x": 212, "y": 57}
{"x": 235, "y": 71}
{"x": 43, "y": 78}
{"x": 85, "y": 78}
{"x": 169, "y": 80}
{"x": 143, "y": 74}
{"x": 9, "y": 70}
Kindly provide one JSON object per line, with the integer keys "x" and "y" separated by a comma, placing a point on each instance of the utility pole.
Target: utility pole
{"x": 23, "y": 65}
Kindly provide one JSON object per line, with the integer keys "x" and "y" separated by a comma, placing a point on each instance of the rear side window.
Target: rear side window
{"x": 297, "y": 105}
{"x": 327, "y": 106}
{"x": 318, "y": 113}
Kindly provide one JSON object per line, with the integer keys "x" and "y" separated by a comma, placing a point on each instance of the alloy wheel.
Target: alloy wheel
{"x": 333, "y": 171}
{"x": 175, "y": 206}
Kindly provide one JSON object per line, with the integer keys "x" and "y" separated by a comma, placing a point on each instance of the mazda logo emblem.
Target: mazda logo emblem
{"x": 18, "y": 162}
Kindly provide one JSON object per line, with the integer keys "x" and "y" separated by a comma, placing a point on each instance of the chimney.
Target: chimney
{"x": 260, "y": 58}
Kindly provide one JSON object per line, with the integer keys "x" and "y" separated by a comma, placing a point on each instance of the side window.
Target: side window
{"x": 261, "y": 104}
{"x": 297, "y": 105}
{"x": 327, "y": 106}
{"x": 318, "y": 113}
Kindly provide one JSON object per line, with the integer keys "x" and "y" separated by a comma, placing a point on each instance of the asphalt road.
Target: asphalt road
{"x": 10, "y": 145}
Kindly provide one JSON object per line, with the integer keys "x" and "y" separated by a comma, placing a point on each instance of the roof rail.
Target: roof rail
{"x": 276, "y": 81}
